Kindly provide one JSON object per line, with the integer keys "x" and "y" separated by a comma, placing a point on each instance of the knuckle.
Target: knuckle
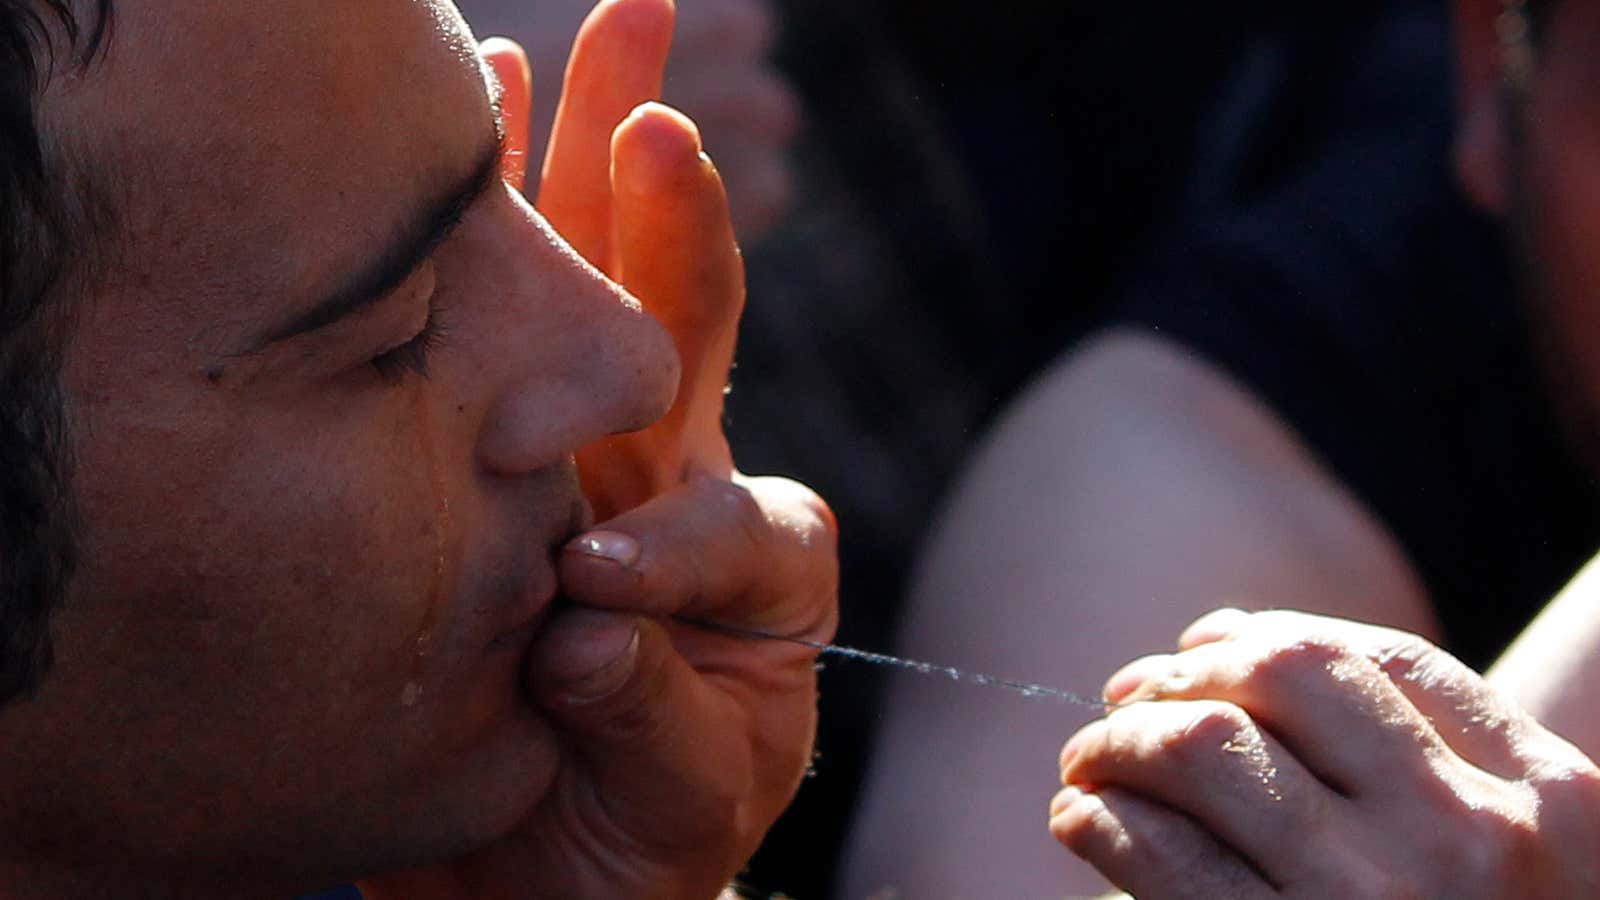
{"x": 1212, "y": 726}
{"x": 737, "y": 506}
{"x": 633, "y": 716}
{"x": 1291, "y": 665}
{"x": 1405, "y": 655}
{"x": 791, "y": 508}
{"x": 1565, "y": 778}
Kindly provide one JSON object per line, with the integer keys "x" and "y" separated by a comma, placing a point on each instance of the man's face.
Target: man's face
{"x": 311, "y": 570}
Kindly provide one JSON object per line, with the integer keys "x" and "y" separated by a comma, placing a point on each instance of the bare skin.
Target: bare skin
{"x": 315, "y": 637}
{"x": 720, "y": 74}
{"x": 1549, "y": 668}
{"x": 1286, "y": 755}
{"x": 1132, "y": 489}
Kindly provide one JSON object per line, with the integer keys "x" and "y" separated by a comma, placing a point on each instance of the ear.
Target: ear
{"x": 1482, "y": 147}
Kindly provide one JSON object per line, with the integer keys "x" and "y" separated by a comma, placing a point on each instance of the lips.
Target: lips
{"x": 532, "y": 608}
{"x": 531, "y": 601}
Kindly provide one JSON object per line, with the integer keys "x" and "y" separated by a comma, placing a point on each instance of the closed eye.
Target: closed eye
{"x": 412, "y": 357}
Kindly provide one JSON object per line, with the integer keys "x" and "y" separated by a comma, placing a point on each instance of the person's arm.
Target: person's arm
{"x": 1553, "y": 667}
{"x": 1132, "y": 489}
{"x": 1281, "y": 754}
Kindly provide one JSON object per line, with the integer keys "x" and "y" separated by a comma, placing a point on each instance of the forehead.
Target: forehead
{"x": 259, "y": 146}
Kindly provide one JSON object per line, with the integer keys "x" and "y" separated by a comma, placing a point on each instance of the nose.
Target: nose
{"x": 575, "y": 357}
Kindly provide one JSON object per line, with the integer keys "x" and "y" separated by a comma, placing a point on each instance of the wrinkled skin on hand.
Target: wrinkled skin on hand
{"x": 683, "y": 746}
{"x": 1286, "y": 755}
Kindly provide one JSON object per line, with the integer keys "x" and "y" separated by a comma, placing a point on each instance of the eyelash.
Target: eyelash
{"x": 411, "y": 358}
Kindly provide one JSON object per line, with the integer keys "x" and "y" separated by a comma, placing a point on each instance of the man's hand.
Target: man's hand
{"x": 642, "y": 202}
{"x": 682, "y": 745}
{"x": 721, "y": 74}
{"x": 1290, "y": 755}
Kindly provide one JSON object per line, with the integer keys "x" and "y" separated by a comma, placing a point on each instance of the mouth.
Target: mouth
{"x": 539, "y": 593}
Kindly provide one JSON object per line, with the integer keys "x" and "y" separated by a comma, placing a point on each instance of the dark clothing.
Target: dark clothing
{"x": 1372, "y": 309}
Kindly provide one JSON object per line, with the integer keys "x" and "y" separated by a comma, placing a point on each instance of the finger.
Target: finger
{"x": 1466, "y": 714}
{"x": 652, "y": 735}
{"x": 1218, "y": 625}
{"x": 1333, "y": 708}
{"x": 1472, "y": 719}
{"x": 509, "y": 63}
{"x": 617, "y": 61}
{"x": 1149, "y": 850}
{"x": 678, "y": 256}
{"x": 1210, "y": 761}
{"x": 757, "y": 553}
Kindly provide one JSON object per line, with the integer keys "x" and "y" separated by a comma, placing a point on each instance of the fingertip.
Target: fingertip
{"x": 1219, "y": 625}
{"x": 601, "y": 567}
{"x": 1133, "y": 676}
{"x": 636, "y": 23}
{"x": 502, "y": 49}
{"x": 1073, "y": 815}
{"x": 1073, "y": 750}
{"x": 1062, "y": 801}
{"x": 657, "y": 149}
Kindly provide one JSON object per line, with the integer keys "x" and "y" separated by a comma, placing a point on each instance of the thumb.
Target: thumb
{"x": 659, "y": 747}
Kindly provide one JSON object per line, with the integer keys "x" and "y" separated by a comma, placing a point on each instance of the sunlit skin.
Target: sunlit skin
{"x": 721, "y": 74}
{"x": 298, "y": 650}
{"x": 1293, "y": 756}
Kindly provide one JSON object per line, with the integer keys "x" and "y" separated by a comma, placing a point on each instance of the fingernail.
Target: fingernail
{"x": 608, "y": 545}
{"x": 1133, "y": 676}
{"x": 602, "y": 666}
{"x": 1064, "y": 799}
{"x": 1126, "y": 681}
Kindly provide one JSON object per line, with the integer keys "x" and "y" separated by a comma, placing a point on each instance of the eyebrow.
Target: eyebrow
{"x": 399, "y": 259}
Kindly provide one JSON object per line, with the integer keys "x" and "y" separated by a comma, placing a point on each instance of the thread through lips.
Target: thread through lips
{"x": 1028, "y": 690}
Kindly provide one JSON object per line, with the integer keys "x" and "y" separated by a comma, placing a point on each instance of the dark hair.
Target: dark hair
{"x": 41, "y": 236}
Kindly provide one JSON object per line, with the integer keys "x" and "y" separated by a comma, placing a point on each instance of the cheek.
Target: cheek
{"x": 271, "y": 562}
